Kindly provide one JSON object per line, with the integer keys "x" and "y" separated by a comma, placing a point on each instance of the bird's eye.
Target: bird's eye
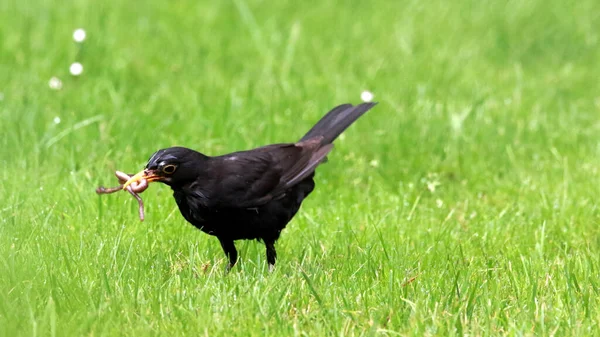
{"x": 169, "y": 169}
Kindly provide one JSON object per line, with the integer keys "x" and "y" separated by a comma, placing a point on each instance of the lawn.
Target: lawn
{"x": 465, "y": 203}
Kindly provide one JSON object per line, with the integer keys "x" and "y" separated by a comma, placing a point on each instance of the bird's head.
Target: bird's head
{"x": 172, "y": 166}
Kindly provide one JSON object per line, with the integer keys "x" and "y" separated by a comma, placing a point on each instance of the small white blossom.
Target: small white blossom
{"x": 76, "y": 69}
{"x": 56, "y": 120}
{"x": 432, "y": 185}
{"x": 366, "y": 96}
{"x": 55, "y": 83}
{"x": 79, "y": 35}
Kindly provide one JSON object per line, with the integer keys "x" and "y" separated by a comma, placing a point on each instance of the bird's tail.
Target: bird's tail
{"x": 336, "y": 121}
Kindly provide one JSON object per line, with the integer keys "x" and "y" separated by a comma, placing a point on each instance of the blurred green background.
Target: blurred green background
{"x": 464, "y": 203}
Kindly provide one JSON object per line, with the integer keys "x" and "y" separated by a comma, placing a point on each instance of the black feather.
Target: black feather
{"x": 336, "y": 121}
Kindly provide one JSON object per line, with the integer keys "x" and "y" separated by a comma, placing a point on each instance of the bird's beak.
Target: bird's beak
{"x": 149, "y": 175}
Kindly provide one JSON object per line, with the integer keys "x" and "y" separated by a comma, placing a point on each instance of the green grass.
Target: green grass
{"x": 465, "y": 203}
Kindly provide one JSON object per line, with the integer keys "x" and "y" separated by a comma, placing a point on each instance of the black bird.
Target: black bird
{"x": 248, "y": 194}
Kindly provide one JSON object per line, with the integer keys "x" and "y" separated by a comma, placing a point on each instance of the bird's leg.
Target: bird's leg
{"x": 230, "y": 252}
{"x": 271, "y": 254}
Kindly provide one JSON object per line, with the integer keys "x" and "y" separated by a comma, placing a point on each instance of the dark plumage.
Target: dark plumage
{"x": 248, "y": 194}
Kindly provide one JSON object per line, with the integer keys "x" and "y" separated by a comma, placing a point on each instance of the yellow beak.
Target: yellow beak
{"x": 149, "y": 175}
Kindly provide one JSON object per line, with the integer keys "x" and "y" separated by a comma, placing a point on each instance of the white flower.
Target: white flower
{"x": 79, "y": 35}
{"x": 366, "y": 96}
{"x": 56, "y": 120}
{"x": 55, "y": 83}
{"x": 432, "y": 185}
{"x": 76, "y": 69}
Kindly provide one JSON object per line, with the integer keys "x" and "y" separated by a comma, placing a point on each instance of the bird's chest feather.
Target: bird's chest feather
{"x": 193, "y": 208}
{"x": 197, "y": 209}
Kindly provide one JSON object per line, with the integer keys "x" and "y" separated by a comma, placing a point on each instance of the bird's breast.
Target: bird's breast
{"x": 192, "y": 207}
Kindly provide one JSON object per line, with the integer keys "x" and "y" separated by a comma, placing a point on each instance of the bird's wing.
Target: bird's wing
{"x": 252, "y": 178}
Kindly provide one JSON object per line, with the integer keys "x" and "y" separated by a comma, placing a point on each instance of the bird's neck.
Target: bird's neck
{"x": 197, "y": 174}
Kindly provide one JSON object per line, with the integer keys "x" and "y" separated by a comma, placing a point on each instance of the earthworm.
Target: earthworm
{"x": 133, "y": 189}
{"x": 137, "y": 187}
{"x": 140, "y": 201}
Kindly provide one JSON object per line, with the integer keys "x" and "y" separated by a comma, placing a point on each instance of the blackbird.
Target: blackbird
{"x": 248, "y": 194}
